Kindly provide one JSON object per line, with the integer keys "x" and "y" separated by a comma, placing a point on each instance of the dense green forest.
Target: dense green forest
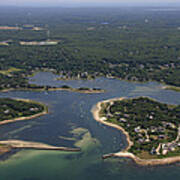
{"x": 154, "y": 127}
{"x": 12, "y": 108}
{"x": 137, "y": 44}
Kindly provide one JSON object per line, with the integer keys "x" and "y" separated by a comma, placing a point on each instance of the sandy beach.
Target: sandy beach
{"x": 23, "y": 118}
{"x": 173, "y": 88}
{"x": 144, "y": 162}
{"x": 6, "y": 146}
{"x": 18, "y": 144}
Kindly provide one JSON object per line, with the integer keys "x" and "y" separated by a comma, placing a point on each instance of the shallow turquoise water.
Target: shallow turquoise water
{"x": 70, "y": 111}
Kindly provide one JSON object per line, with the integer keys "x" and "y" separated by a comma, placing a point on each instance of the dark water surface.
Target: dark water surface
{"x": 70, "y": 123}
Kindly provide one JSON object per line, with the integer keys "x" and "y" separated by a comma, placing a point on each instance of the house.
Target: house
{"x": 137, "y": 129}
{"x": 153, "y": 151}
{"x": 6, "y": 111}
{"x": 103, "y": 118}
{"x": 122, "y": 120}
{"x": 161, "y": 136}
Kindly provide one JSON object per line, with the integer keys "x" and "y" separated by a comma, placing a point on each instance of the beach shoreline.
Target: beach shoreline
{"x": 44, "y": 112}
{"x": 23, "y": 118}
{"x": 19, "y": 144}
{"x": 172, "y": 88}
{"x": 124, "y": 153}
{"x": 4, "y": 148}
{"x": 7, "y": 145}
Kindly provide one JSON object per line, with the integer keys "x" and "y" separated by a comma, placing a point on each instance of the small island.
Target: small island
{"x": 33, "y": 87}
{"x": 85, "y": 90}
{"x": 152, "y": 128}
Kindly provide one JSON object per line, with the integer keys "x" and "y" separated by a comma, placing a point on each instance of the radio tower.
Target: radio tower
{"x": 48, "y": 31}
{"x": 48, "y": 34}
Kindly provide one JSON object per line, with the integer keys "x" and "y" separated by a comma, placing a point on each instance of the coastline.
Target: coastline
{"x": 165, "y": 86}
{"x": 18, "y": 144}
{"x": 23, "y": 118}
{"x": 173, "y": 88}
{"x": 95, "y": 111}
{"x": 90, "y": 91}
{"x": 45, "y": 111}
{"x": 124, "y": 153}
{"x": 5, "y": 148}
{"x": 8, "y": 145}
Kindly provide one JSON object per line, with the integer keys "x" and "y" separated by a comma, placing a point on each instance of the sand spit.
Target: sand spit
{"x": 18, "y": 144}
{"x": 89, "y": 91}
{"x": 144, "y": 162}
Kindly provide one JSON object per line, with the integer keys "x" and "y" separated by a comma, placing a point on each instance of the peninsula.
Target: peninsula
{"x": 18, "y": 144}
{"x": 152, "y": 128}
{"x": 12, "y": 110}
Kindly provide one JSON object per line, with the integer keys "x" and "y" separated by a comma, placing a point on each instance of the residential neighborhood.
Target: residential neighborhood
{"x": 153, "y": 127}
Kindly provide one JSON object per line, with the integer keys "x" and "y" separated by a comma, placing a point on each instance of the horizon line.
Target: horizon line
{"x": 174, "y": 5}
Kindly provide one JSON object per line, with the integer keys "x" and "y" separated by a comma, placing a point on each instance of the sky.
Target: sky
{"x": 86, "y": 2}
